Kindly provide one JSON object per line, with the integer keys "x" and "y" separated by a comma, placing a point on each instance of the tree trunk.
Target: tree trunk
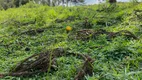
{"x": 112, "y": 1}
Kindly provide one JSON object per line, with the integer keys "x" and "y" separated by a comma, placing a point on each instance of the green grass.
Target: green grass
{"x": 119, "y": 59}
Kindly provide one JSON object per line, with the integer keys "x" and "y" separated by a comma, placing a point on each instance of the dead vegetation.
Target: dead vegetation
{"x": 87, "y": 69}
{"x": 86, "y": 34}
{"x": 46, "y": 62}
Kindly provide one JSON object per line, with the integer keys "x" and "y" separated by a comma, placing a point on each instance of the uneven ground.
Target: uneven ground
{"x": 32, "y": 29}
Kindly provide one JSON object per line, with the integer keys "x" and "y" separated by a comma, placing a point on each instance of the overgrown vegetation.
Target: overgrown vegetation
{"x": 110, "y": 34}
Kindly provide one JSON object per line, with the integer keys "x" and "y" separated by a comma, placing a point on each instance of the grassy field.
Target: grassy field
{"x": 31, "y": 29}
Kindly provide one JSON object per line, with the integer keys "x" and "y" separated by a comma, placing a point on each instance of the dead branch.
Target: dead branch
{"x": 86, "y": 34}
{"x": 87, "y": 69}
{"x": 45, "y": 61}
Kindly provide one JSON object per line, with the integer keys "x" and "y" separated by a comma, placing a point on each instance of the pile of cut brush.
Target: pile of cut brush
{"x": 46, "y": 61}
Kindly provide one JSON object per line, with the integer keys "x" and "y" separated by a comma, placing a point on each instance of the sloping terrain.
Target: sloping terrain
{"x": 110, "y": 34}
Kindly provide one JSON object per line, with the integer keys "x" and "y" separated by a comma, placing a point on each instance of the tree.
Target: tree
{"x": 56, "y": 2}
{"x": 112, "y": 1}
{"x": 5, "y": 4}
{"x": 20, "y": 2}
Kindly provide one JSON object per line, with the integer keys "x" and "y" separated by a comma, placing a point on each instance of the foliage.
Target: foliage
{"x": 32, "y": 28}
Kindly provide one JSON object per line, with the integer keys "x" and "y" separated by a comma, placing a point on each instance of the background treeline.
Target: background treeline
{"x": 57, "y": 2}
{"x": 5, "y": 4}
